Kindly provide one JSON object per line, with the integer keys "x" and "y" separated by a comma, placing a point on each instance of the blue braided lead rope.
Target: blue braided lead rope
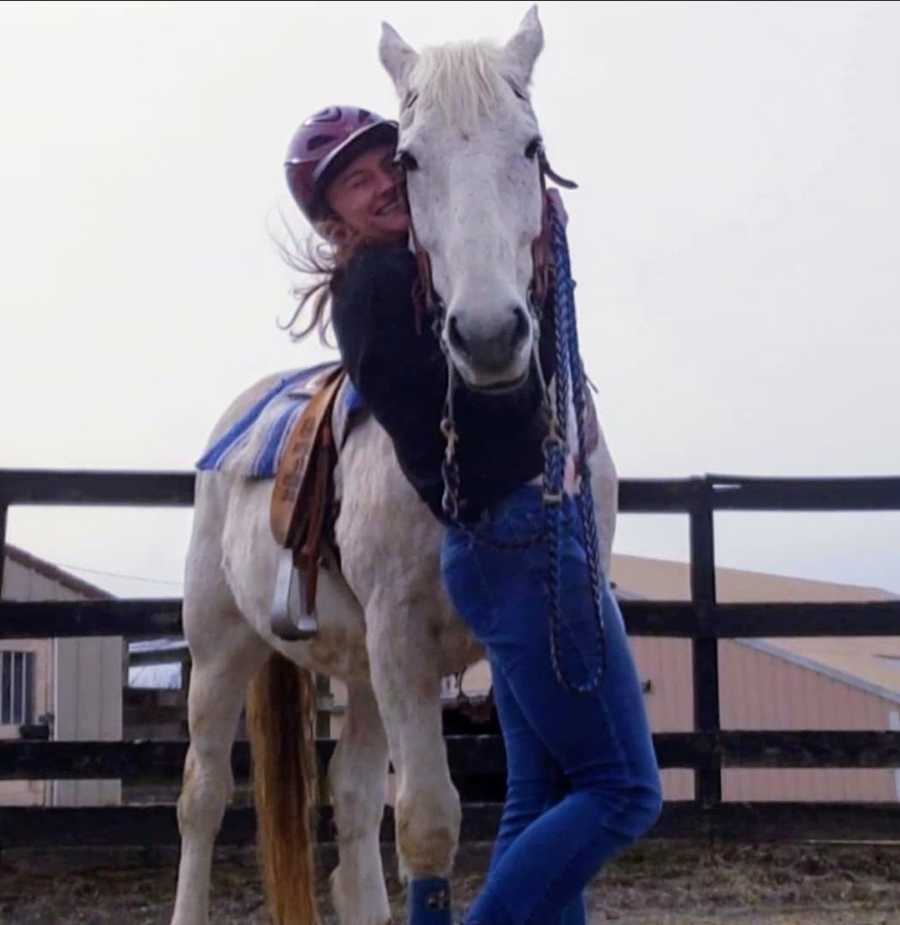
{"x": 569, "y": 367}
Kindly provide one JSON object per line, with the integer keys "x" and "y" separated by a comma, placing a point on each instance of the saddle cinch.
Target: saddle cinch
{"x": 301, "y": 500}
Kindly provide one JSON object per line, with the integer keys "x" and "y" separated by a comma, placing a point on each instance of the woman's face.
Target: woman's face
{"x": 367, "y": 196}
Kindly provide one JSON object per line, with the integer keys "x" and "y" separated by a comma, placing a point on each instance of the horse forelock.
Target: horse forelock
{"x": 462, "y": 81}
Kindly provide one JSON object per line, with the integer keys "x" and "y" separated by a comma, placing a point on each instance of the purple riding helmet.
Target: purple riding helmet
{"x": 323, "y": 145}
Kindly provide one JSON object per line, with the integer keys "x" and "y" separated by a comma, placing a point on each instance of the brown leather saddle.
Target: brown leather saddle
{"x": 301, "y": 499}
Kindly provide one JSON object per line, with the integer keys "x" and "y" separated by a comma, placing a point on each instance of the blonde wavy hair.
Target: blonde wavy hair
{"x": 318, "y": 257}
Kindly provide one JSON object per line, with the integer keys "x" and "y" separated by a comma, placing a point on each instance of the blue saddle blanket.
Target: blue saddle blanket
{"x": 252, "y": 447}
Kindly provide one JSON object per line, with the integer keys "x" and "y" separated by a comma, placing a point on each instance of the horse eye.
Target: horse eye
{"x": 534, "y": 148}
{"x": 406, "y": 161}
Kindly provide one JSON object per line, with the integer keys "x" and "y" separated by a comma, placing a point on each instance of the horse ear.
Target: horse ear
{"x": 397, "y": 57}
{"x": 522, "y": 50}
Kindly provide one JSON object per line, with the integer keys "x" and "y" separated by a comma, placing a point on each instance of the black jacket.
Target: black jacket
{"x": 402, "y": 377}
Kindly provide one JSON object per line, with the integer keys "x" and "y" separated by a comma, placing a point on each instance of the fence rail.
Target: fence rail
{"x": 471, "y": 757}
{"x": 477, "y": 762}
{"x": 636, "y": 496}
{"x": 671, "y": 619}
{"x": 156, "y": 825}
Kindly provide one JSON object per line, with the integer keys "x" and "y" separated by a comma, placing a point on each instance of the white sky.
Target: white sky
{"x": 735, "y": 239}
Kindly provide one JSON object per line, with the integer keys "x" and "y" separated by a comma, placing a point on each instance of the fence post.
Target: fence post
{"x": 705, "y": 649}
{"x": 3, "y": 510}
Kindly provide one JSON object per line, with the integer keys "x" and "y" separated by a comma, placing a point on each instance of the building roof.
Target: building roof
{"x": 662, "y": 579}
{"x": 869, "y": 663}
{"x": 54, "y": 573}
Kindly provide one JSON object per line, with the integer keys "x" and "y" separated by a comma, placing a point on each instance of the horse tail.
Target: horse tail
{"x": 281, "y": 709}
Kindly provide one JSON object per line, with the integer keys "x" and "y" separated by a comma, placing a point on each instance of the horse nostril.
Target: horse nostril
{"x": 457, "y": 342}
{"x": 520, "y": 327}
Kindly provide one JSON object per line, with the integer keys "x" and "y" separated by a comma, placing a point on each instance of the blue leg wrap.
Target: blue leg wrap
{"x": 429, "y": 901}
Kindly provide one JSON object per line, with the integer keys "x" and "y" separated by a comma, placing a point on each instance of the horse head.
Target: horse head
{"x": 471, "y": 150}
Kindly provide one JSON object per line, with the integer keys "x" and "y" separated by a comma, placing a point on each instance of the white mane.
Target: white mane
{"x": 463, "y": 81}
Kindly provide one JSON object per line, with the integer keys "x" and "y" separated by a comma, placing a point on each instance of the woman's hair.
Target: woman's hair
{"x": 318, "y": 257}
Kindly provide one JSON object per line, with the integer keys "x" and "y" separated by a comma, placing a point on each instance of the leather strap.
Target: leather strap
{"x": 303, "y": 475}
{"x": 306, "y": 555}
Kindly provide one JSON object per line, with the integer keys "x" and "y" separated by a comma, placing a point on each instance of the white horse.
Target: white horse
{"x": 386, "y": 626}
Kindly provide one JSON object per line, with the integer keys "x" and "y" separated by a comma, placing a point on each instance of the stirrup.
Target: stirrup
{"x": 291, "y": 617}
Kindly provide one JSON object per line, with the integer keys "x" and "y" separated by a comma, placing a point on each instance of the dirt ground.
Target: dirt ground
{"x": 657, "y": 883}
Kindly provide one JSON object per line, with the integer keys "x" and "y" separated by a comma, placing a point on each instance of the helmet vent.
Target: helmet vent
{"x": 318, "y": 140}
{"x": 329, "y": 114}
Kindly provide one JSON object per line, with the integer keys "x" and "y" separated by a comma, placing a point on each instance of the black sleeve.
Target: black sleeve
{"x": 374, "y": 321}
{"x": 400, "y": 372}
{"x": 357, "y": 313}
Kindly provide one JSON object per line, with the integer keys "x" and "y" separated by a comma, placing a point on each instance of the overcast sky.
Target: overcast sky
{"x": 735, "y": 239}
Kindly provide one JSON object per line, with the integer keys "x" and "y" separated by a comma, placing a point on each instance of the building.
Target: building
{"x": 845, "y": 683}
{"x": 73, "y": 687}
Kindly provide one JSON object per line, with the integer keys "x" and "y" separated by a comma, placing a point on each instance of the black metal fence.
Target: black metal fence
{"x": 477, "y": 759}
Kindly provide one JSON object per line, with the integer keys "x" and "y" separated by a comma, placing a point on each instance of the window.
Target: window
{"x": 16, "y": 688}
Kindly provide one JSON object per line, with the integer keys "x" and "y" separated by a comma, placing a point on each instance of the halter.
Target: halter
{"x": 550, "y": 264}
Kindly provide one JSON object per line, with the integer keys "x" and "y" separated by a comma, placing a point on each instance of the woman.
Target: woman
{"x": 582, "y": 776}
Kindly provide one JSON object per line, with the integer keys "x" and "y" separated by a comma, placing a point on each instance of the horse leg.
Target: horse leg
{"x": 404, "y": 658}
{"x": 225, "y": 658}
{"x": 357, "y": 775}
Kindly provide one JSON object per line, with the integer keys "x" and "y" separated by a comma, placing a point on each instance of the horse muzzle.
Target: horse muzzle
{"x": 491, "y": 355}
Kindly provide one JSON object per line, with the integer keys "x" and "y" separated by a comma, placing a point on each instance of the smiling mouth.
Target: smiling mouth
{"x": 389, "y": 208}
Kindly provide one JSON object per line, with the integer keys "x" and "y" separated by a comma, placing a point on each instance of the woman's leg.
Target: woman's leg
{"x": 534, "y": 783}
{"x": 601, "y": 741}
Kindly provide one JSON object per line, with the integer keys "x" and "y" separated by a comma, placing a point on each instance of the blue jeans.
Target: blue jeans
{"x": 582, "y": 778}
